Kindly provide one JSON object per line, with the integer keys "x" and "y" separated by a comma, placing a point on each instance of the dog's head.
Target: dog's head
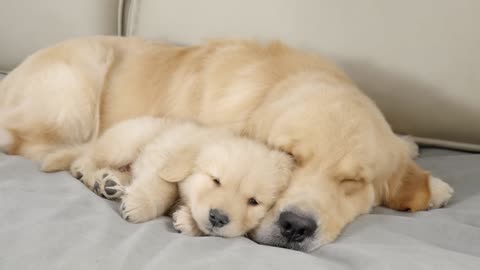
{"x": 348, "y": 161}
{"x": 233, "y": 184}
{"x": 317, "y": 206}
{"x": 314, "y": 210}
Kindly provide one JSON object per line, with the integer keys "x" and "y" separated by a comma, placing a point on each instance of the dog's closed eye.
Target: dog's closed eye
{"x": 352, "y": 185}
{"x": 216, "y": 181}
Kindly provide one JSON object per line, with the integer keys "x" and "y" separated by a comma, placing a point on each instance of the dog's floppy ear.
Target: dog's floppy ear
{"x": 409, "y": 189}
{"x": 178, "y": 165}
{"x": 285, "y": 163}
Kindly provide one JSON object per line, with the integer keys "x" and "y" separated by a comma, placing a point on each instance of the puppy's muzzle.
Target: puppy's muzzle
{"x": 295, "y": 228}
{"x": 218, "y": 218}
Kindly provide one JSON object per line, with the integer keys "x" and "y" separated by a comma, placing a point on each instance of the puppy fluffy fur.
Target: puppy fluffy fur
{"x": 215, "y": 172}
{"x": 348, "y": 158}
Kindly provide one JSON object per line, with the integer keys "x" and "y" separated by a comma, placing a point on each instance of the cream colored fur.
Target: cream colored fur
{"x": 348, "y": 158}
{"x": 6, "y": 139}
{"x": 163, "y": 153}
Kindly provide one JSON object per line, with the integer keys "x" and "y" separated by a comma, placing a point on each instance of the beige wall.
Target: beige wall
{"x": 28, "y": 25}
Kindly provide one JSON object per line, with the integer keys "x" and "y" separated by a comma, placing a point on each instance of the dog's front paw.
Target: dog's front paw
{"x": 136, "y": 208}
{"x": 184, "y": 223}
{"x": 440, "y": 191}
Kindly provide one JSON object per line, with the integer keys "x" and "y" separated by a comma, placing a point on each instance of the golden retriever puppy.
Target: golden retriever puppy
{"x": 348, "y": 159}
{"x": 226, "y": 183}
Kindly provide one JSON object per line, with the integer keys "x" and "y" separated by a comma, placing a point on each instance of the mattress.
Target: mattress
{"x": 51, "y": 221}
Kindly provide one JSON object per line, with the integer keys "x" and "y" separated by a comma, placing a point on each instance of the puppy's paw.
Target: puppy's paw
{"x": 136, "y": 208}
{"x": 109, "y": 183}
{"x": 440, "y": 191}
{"x": 184, "y": 223}
{"x": 83, "y": 170}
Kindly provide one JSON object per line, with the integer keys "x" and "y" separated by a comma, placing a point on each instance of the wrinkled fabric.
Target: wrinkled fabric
{"x": 51, "y": 221}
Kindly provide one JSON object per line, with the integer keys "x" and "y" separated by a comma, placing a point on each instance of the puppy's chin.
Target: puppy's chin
{"x": 201, "y": 220}
{"x": 203, "y": 224}
{"x": 212, "y": 231}
{"x": 208, "y": 229}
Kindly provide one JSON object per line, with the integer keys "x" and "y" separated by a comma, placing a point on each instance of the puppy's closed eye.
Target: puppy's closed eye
{"x": 252, "y": 202}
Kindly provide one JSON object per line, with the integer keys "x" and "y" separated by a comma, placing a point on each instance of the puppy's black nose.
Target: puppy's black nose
{"x": 296, "y": 228}
{"x": 217, "y": 218}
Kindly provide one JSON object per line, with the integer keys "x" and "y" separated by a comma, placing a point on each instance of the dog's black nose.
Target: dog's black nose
{"x": 217, "y": 218}
{"x": 296, "y": 228}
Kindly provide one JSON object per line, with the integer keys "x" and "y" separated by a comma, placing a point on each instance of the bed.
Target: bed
{"x": 51, "y": 221}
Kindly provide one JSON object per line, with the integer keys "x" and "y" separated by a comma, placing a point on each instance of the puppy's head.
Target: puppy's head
{"x": 233, "y": 184}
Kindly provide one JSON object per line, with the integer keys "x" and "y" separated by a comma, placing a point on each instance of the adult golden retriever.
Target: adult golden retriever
{"x": 348, "y": 158}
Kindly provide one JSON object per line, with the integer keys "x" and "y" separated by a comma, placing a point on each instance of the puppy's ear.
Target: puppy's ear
{"x": 409, "y": 189}
{"x": 178, "y": 165}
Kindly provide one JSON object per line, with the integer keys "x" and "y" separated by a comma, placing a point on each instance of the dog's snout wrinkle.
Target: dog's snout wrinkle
{"x": 296, "y": 228}
{"x": 218, "y": 218}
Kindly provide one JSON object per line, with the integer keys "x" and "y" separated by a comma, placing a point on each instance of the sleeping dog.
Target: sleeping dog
{"x": 348, "y": 159}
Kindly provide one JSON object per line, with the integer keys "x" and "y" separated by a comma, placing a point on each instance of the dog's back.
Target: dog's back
{"x": 73, "y": 91}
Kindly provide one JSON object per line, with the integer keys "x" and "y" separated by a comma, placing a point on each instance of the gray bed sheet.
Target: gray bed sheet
{"x": 51, "y": 221}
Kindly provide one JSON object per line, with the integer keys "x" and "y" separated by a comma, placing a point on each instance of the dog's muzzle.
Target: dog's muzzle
{"x": 295, "y": 228}
{"x": 292, "y": 229}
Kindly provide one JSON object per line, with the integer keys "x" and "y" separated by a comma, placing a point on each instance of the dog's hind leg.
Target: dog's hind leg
{"x": 53, "y": 99}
